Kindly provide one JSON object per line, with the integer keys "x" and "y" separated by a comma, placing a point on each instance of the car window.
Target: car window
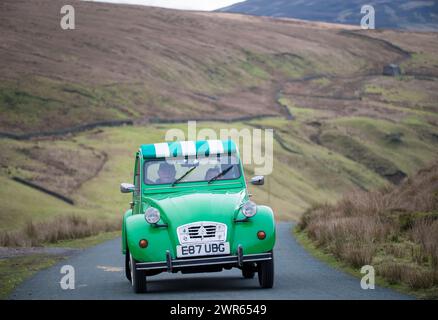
{"x": 166, "y": 171}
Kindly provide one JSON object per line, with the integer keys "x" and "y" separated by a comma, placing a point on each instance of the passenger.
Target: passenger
{"x": 166, "y": 173}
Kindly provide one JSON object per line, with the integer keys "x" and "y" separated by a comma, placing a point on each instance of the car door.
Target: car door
{"x": 137, "y": 183}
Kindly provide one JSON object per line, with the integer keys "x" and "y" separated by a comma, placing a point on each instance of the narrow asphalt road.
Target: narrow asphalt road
{"x": 99, "y": 275}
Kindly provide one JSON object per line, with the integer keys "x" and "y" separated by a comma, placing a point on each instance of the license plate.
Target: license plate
{"x": 202, "y": 249}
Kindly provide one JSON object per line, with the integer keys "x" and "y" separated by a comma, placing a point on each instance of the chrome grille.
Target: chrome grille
{"x": 202, "y": 232}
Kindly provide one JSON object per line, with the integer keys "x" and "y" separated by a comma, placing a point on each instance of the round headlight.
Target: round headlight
{"x": 152, "y": 215}
{"x": 249, "y": 209}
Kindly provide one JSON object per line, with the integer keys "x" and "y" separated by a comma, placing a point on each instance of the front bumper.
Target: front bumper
{"x": 234, "y": 260}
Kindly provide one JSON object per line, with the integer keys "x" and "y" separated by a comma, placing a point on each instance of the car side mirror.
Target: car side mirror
{"x": 258, "y": 180}
{"x": 127, "y": 188}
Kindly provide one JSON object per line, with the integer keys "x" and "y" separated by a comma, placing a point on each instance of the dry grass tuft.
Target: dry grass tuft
{"x": 425, "y": 232}
{"x": 357, "y": 255}
{"x": 419, "y": 279}
{"x": 61, "y": 228}
{"x": 395, "y": 229}
{"x": 392, "y": 272}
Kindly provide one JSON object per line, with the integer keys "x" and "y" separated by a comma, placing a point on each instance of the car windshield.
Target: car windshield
{"x": 192, "y": 169}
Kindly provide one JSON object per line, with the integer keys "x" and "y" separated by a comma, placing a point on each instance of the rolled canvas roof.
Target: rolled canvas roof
{"x": 188, "y": 148}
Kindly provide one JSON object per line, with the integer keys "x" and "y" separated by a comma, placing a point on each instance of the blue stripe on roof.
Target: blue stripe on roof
{"x": 148, "y": 151}
{"x": 202, "y": 148}
{"x": 175, "y": 149}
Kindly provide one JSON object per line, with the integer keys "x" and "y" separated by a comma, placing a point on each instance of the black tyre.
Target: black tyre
{"x": 266, "y": 274}
{"x": 138, "y": 277}
{"x": 248, "y": 271}
{"x": 127, "y": 268}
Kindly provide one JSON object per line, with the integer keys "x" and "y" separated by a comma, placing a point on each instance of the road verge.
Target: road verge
{"x": 19, "y": 264}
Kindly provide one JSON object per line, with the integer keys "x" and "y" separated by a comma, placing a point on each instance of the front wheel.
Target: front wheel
{"x": 127, "y": 266}
{"x": 266, "y": 273}
{"x": 138, "y": 277}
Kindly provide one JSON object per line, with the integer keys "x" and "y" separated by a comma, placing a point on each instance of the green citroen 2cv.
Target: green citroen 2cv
{"x": 191, "y": 212}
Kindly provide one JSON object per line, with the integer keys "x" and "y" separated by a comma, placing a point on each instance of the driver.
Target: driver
{"x": 166, "y": 173}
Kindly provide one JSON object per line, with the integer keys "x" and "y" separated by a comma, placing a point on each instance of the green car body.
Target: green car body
{"x": 214, "y": 205}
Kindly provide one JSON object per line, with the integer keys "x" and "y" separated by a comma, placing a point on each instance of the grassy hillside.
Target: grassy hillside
{"x": 338, "y": 124}
{"x": 144, "y": 63}
{"x": 304, "y": 173}
{"x": 394, "y": 229}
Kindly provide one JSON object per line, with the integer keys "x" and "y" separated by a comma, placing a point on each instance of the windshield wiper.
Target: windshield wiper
{"x": 184, "y": 175}
{"x": 220, "y": 174}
